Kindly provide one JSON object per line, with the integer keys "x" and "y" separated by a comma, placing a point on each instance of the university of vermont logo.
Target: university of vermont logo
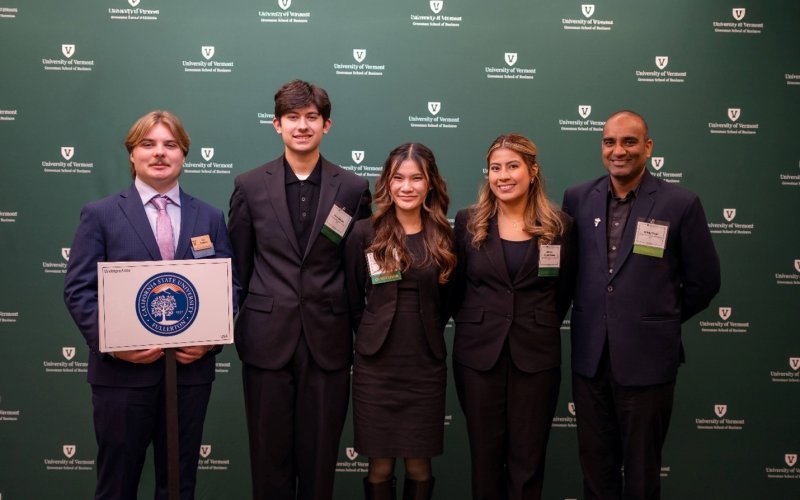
{"x": 284, "y": 4}
{"x": 738, "y": 13}
{"x": 207, "y": 153}
{"x": 790, "y": 459}
{"x": 436, "y": 6}
{"x": 69, "y": 450}
{"x": 67, "y": 152}
{"x": 584, "y": 110}
{"x": 68, "y": 353}
{"x": 207, "y": 51}
{"x": 662, "y": 61}
{"x": 511, "y": 58}
{"x": 729, "y": 214}
{"x": 167, "y": 304}
{"x": 720, "y": 410}
{"x": 205, "y": 450}
{"x": 357, "y": 156}
{"x": 657, "y": 162}
{"x": 587, "y": 9}
{"x": 359, "y": 55}
{"x": 351, "y": 453}
{"x": 725, "y": 313}
{"x": 434, "y": 107}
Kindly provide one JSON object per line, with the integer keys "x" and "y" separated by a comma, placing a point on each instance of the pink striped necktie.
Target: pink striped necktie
{"x": 164, "y": 234}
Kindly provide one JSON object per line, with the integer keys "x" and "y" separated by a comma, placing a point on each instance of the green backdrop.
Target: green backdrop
{"x": 718, "y": 81}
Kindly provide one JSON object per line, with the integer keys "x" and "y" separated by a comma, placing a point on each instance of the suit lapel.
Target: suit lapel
{"x": 641, "y": 209}
{"x": 598, "y": 207}
{"x": 131, "y": 205}
{"x": 494, "y": 250}
{"x": 275, "y": 180}
{"x": 188, "y": 220}
{"x": 329, "y": 186}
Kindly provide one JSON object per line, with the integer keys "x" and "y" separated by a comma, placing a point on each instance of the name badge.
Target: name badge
{"x": 549, "y": 260}
{"x": 651, "y": 237}
{"x": 202, "y": 247}
{"x": 336, "y": 224}
{"x": 378, "y": 275}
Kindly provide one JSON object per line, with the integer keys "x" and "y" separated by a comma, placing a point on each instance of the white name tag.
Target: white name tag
{"x": 651, "y": 238}
{"x": 336, "y": 224}
{"x": 378, "y": 275}
{"x": 549, "y": 260}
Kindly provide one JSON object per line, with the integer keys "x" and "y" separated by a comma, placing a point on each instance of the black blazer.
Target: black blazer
{"x": 286, "y": 291}
{"x": 641, "y": 305}
{"x": 371, "y": 321}
{"x": 488, "y": 307}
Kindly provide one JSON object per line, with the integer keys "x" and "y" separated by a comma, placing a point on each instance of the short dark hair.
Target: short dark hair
{"x": 299, "y": 94}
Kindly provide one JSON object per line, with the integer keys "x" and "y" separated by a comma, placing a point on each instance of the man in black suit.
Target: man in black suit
{"x": 287, "y": 222}
{"x": 646, "y": 264}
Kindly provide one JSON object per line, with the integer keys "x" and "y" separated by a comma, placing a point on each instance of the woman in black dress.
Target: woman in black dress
{"x": 396, "y": 265}
{"x": 511, "y": 290}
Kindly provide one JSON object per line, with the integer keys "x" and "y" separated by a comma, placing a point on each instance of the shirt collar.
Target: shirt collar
{"x": 314, "y": 178}
{"x": 632, "y": 194}
{"x": 147, "y": 192}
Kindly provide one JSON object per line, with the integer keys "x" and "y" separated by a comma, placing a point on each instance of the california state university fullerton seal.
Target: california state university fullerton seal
{"x": 167, "y": 304}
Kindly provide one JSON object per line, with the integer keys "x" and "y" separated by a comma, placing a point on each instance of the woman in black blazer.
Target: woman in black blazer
{"x": 396, "y": 265}
{"x": 511, "y": 291}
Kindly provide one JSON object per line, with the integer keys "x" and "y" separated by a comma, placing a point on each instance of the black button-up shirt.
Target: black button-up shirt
{"x": 619, "y": 210}
{"x": 302, "y": 199}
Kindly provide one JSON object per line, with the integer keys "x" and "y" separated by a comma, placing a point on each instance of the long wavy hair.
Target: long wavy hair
{"x": 389, "y": 247}
{"x": 541, "y": 216}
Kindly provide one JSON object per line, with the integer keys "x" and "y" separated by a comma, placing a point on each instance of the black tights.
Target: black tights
{"x": 382, "y": 469}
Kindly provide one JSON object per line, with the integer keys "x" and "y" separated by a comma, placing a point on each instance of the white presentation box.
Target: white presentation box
{"x": 172, "y": 303}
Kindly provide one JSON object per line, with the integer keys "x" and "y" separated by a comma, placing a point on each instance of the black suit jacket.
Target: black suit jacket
{"x": 488, "y": 307}
{"x": 641, "y": 304}
{"x": 286, "y": 290}
{"x": 372, "y": 321}
{"x": 116, "y": 229}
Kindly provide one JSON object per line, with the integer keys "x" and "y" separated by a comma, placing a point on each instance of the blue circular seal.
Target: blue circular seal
{"x": 167, "y": 304}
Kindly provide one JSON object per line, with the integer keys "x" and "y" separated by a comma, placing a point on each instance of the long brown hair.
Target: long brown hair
{"x": 389, "y": 247}
{"x": 541, "y": 216}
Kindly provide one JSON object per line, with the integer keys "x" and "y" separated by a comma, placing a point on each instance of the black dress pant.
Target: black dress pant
{"x": 295, "y": 417}
{"x": 509, "y": 413}
{"x": 127, "y": 420}
{"x": 621, "y": 426}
